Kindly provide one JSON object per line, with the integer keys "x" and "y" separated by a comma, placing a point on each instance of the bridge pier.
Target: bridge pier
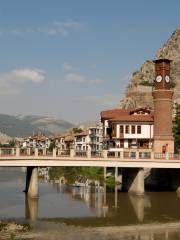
{"x": 133, "y": 180}
{"x": 118, "y": 175}
{"x": 32, "y": 182}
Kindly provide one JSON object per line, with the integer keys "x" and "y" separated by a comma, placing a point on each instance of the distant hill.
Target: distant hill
{"x": 87, "y": 124}
{"x": 25, "y": 125}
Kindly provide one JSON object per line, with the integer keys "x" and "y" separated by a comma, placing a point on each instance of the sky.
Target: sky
{"x": 72, "y": 59}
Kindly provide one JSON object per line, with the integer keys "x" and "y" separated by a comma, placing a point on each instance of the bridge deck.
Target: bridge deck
{"x": 123, "y": 158}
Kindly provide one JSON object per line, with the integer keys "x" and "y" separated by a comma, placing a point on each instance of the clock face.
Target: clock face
{"x": 159, "y": 78}
{"x": 167, "y": 79}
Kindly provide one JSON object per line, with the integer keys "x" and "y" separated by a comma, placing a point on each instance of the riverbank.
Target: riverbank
{"x": 61, "y": 231}
{"x": 13, "y": 231}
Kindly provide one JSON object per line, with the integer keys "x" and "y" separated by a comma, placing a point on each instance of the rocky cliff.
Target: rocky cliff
{"x": 139, "y": 90}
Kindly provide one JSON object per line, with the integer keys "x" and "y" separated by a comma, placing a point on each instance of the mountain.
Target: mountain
{"x": 87, "y": 124}
{"x": 26, "y": 125}
{"x": 139, "y": 90}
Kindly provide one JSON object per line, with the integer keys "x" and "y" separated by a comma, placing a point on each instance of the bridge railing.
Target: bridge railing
{"x": 7, "y": 152}
{"x": 174, "y": 156}
{"x": 80, "y": 153}
{"x": 104, "y": 154}
{"x": 62, "y": 153}
{"x": 130, "y": 154}
{"x": 97, "y": 154}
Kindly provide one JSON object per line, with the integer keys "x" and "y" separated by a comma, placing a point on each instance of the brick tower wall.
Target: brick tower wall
{"x": 163, "y": 120}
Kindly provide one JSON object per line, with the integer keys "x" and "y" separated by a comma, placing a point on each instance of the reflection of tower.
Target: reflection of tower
{"x": 162, "y": 95}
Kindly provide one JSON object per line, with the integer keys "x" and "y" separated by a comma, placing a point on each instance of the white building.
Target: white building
{"x": 91, "y": 139}
{"x": 128, "y": 128}
{"x": 64, "y": 142}
{"x": 37, "y": 141}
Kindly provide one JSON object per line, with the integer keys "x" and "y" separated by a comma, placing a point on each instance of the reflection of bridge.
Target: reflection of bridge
{"x": 132, "y": 162}
{"x": 139, "y": 212}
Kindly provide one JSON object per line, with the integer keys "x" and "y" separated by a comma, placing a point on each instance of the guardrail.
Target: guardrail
{"x": 121, "y": 154}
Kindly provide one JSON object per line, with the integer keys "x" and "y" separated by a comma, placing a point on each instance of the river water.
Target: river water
{"x": 78, "y": 213}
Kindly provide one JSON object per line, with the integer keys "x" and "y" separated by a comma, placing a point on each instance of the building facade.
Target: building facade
{"x": 37, "y": 141}
{"x": 91, "y": 139}
{"x": 128, "y": 128}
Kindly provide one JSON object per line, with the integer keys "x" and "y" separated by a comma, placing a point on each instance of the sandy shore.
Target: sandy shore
{"x": 60, "y": 231}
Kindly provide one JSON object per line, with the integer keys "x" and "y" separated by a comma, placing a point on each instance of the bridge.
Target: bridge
{"x": 132, "y": 162}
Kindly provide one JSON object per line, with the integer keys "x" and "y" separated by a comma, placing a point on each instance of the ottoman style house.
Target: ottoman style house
{"x": 128, "y": 128}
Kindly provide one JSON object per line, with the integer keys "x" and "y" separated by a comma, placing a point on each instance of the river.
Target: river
{"x": 78, "y": 213}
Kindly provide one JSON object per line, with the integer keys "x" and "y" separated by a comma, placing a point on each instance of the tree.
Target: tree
{"x": 51, "y": 146}
{"x": 176, "y": 129}
{"x": 12, "y": 143}
{"x": 77, "y": 130}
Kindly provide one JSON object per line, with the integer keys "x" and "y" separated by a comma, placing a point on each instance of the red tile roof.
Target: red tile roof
{"x": 114, "y": 113}
{"x": 127, "y": 115}
{"x": 134, "y": 118}
{"x": 84, "y": 133}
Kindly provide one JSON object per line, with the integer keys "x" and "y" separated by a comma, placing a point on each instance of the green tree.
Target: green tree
{"x": 77, "y": 130}
{"x": 75, "y": 173}
{"x": 51, "y": 146}
{"x": 12, "y": 143}
{"x": 176, "y": 129}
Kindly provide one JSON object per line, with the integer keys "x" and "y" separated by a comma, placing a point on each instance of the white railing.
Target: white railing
{"x": 123, "y": 154}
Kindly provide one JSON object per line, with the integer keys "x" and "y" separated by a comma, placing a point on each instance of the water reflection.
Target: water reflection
{"x": 149, "y": 217}
{"x": 31, "y": 208}
{"x": 152, "y": 216}
{"x": 119, "y": 208}
{"x": 138, "y": 203}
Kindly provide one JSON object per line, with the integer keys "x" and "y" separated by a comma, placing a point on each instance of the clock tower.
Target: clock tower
{"x": 162, "y": 95}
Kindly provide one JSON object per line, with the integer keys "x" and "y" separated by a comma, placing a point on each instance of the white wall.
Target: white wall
{"x": 146, "y": 131}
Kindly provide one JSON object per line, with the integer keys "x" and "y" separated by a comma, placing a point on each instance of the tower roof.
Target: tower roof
{"x": 162, "y": 60}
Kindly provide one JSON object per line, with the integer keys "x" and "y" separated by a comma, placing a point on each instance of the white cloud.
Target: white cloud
{"x": 33, "y": 75}
{"x": 70, "y": 24}
{"x": 107, "y": 100}
{"x": 11, "y": 82}
{"x": 57, "y": 31}
{"x": 58, "y": 28}
{"x": 64, "y": 28}
{"x": 81, "y": 79}
{"x": 67, "y": 66}
{"x": 15, "y": 32}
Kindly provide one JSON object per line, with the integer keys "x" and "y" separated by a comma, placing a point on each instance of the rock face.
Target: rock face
{"x": 139, "y": 90}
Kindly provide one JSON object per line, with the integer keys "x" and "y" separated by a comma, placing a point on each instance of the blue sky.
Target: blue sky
{"x": 72, "y": 58}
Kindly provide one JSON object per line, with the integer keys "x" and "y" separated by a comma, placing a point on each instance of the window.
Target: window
{"x": 127, "y": 128}
{"x": 121, "y": 143}
{"x": 133, "y": 129}
{"x": 139, "y": 129}
{"x": 121, "y": 129}
{"x": 113, "y": 130}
